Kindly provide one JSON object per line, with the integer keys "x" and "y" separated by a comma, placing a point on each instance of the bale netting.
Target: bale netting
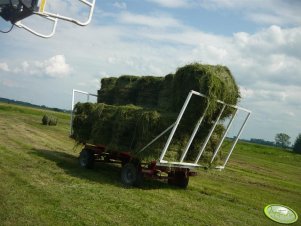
{"x": 133, "y": 110}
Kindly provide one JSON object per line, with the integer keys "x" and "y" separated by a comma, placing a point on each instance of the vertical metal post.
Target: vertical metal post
{"x": 237, "y": 137}
{"x": 224, "y": 136}
{"x": 193, "y": 134}
{"x": 88, "y": 97}
{"x": 209, "y": 135}
{"x": 175, "y": 126}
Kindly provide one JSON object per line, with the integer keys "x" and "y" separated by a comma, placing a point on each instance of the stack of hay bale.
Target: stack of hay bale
{"x": 133, "y": 110}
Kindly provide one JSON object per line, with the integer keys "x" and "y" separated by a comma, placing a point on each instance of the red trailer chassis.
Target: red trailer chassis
{"x": 133, "y": 171}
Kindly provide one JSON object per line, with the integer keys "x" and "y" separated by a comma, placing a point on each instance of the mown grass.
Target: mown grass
{"x": 42, "y": 184}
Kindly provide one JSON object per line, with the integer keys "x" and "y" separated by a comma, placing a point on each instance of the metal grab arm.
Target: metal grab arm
{"x": 81, "y": 23}
{"x": 54, "y": 20}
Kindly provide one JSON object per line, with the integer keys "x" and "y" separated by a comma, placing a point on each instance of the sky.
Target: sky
{"x": 258, "y": 40}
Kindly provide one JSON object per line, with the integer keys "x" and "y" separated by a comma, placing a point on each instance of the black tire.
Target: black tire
{"x": 181, "y": 179}
{"x": 131, "y": 175}
{"x": 86, "y": 159}
{"x": 171, "y": 178}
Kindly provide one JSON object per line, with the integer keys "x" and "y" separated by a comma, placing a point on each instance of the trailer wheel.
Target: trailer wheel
{"x": 181, "y": 179}
{"x": 86, "y": 159}
{"x": 131, "y": 175}
{"x": 171, "y": 178}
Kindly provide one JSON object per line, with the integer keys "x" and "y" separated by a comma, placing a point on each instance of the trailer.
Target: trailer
{"x": 133, "y": 171}
{"x": 177, "y": 173}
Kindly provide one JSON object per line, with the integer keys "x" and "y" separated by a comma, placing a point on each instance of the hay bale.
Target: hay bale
{"x": 45, "y": 120}
{"x": 133, "y": 110}
{"x": 49, "y": 120}
{"x": 168, "y": 93}
{"x": 216, "y": 82}
{"x": 120, "y": 128}
{"x": 140, "y": 91}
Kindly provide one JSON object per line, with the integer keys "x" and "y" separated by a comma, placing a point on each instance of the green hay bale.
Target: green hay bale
{"x": 120, "y": 128}
{"x": 133, "y": 110}
{"x": 130, "y": 128}
{"x": 45, "y": 120}
{"x": 49, "y": 120}
{"x": 83, "y": 122}
{"x": 214, "y": 81}
{"x": 141, "y": 91}
{"x": 169, "y": 93}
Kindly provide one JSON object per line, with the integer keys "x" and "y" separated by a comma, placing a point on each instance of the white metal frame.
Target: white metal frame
{"x": 173, "y": 127}
{"x": 44, "y": 13}
{"x": 53, "y": 17}
{"x": 27, "y": 28}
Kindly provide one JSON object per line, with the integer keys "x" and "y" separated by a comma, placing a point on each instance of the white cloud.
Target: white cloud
{"x": 120, "y": 5}
{"x": 54, "y": 67}
{"x": 157, "y": 20}
{"x": 263, "y": 18}
{"x": 69, "y": 8}
{"x": 246, "y": 93}
{"x": 278, "y": 12}
{"x": 4, "y": 67}
{"x": 172, "y": 3}
{"x": 95, "y": 83}
{"x": 9, "y": 83}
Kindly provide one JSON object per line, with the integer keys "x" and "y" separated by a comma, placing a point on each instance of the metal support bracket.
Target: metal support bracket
{"x": 196, "y": 128}
{"x": 44, "y": 13}
{"x": 54, "y": 23}
{"x": 16, "y": 11}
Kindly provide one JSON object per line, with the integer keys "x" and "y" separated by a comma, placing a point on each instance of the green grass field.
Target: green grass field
{"x": 41, "y": 183}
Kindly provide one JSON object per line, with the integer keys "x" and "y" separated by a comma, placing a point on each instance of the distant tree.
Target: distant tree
{"x": 297, "y": 145}
{"x": 282, "y": 140}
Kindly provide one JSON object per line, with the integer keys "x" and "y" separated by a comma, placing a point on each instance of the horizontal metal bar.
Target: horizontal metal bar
{"x": 87, "y": 3}
{"x": 178, "y": 164}
{"x": 219, "y": 167}
{"x": 53, "y": 15}
{"x": 21, "y": 25}
{"x": 198, "y": 94}
{"x": 234, "y": 106}
{"x": 220, "y": 101}
{"x": 72, "y": 105}
{"x": 83, "y": 92}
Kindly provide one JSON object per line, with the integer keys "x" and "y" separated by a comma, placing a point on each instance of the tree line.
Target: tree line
{"x": 283, "y": 140}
